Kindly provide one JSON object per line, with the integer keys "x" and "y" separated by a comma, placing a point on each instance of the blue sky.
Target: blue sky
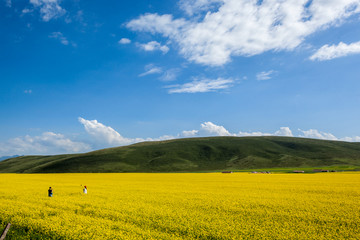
{"x": 83, "y": 75}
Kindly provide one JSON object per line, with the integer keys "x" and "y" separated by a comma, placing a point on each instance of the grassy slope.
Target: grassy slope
{"x": 197, "y": 154}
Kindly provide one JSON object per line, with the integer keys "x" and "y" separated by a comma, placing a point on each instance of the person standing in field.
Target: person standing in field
{"x": 85, "y": 190}
{"x": 50, "y": 192}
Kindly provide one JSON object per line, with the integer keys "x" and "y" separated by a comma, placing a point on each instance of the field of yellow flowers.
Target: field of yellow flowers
{"x": 181, "y": 206}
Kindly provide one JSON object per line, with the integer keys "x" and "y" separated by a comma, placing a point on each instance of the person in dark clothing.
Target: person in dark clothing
{"x": 50, "y": 192}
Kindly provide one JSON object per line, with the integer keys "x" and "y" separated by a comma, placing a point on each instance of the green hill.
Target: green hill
{"x": 196, "y": 154}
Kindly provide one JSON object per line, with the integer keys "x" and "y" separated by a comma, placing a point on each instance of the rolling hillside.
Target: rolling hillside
{"x": 196, "y": 154}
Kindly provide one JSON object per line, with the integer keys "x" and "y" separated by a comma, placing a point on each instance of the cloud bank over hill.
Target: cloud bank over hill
{"x": 46, "y": 143}
{"x": 102, "y": 136}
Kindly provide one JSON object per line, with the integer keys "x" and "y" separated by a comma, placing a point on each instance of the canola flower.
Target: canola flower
{"x": 181, "y": 206}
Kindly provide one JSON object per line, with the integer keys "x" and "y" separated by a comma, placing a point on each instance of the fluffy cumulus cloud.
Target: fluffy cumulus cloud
{"x": 213, "y": 129}
{"x": 101, "y": 136}
{"x": 284, "y": 131}
{"x": 215, "y": 30}
{"x": 49, "y": 9}
{"x": 124, "y": 41}
{"x": 190, "y": 133}
{"x": 313, "y": 133}
{"x": 154, "y": 46}
{"x": 327, "y": 52}
{"x": 104, "y": 134}
{"x": 204, "y": 85}
{"x": 47, "y": 143}
{"x": 107, "y": 136}
{"x": 351, "y": 139}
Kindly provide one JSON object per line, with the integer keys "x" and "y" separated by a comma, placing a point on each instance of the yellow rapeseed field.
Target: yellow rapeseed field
{"x": 181, "y": 206}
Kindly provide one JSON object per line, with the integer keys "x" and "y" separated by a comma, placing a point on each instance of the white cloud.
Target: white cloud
{"x": 28, "y": 91}
{"x": 60, "y": 37}
{"x": 49, "y": 9}
{"x": 47, "y": 143}
{"x": 104, "y": 133}
{"x": 213, "y": 129}
{"x": 161, "y": 138}
{"x": 327, "y": 52}
{"x": 207, "y": 129}
{"x": 252, "y": 134}
{"x": 150, "y": 69}
{"x": 154, "y": 23}
{"x": 153, "y": 46}
{"x": 283, "y": 131}
{"x": 205, "y": 85}
{"x": 124, "y": 41}
{"x": 54, "y": 143}
{"x": 107, "y": 136}
{"x": 110, "y": 137}
{"x": 350, "y": 139}
{"x": 264, "y": 75}
{"x": 190, "y": 133}
{"x": 313, "y": 133}
{"x": 244, "y": 27}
